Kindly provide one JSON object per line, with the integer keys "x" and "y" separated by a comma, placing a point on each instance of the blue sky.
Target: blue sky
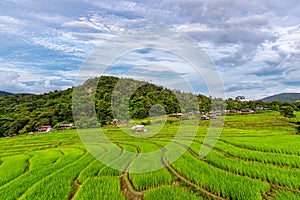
{"x": 255, "y": 45}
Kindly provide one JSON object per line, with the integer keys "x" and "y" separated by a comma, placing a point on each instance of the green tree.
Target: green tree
{"x": 240, "y": 98}
{"x": 287, "y": 111}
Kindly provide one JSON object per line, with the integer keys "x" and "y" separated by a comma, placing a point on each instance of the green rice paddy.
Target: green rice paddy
{"x": 256, "y": 157}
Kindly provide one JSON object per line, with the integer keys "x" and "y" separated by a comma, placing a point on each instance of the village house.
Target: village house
{"x": 231, "y": 111}
{"x": 45, "y": 129}
{"x": 247, "y": 110}
{"x": 216, "y": 112}
{"x": 261, "y": 109}
{"x": 214, "y": 116}
{"x": 139, "y": 128}
{"x": 176, "y": 115}
{"x": 64, "y": 126}
{"x": 114, "y": 121}
{"x": 204, "y": 117}
{"x": 191, "y": 113}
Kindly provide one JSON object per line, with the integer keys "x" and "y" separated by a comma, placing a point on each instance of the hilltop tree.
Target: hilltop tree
{"x": 240, "y": 98}
{"x": 287, "y": 111}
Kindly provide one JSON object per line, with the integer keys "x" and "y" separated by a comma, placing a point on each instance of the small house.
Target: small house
{"x": 114, "y": 121}
{"x": 214, "y": 116}
{"x": 261, "y": 109}
{"x": 139, "y": 128}
{"x": 176, "y": 115}
{"x": 45, "y": 129}
{"x": 204, "y": 117}
{"x": 231, "y": 111}
{"x": 247, "y": 110}
{"x": 64, "y": 126}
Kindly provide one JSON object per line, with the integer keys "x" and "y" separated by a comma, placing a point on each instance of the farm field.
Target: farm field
{"x": 256, "y": 157}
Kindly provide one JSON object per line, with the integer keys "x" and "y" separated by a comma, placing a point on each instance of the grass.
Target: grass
{"x": 284, "y": 144}
{"x": 264, "y": 157}
{"x": 283, "y": 195}
{"x": 276, "y": 175}
{"x": 18, "y": 186}
{"x": 223, "y": 183}
{"x": 100, "y": 188}
{"x": 256, "y": 157}
{"x": 12, "y": 167}
{"x": 172, "y": 193}
{"x": 149, "y": 180}
{"x": 90, "y": 171}
{"x": 58, "y": 184}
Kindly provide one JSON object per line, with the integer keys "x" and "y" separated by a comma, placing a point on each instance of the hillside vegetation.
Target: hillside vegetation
{"x": 23, "y": 113}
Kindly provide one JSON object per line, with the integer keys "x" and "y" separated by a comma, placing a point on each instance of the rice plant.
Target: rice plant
{"x": 100, "y": 188}
{"x": 277, "y": 175}
{"x": 44, "y": 158}
{"x": 58, "y": 184}
{"x": 284, "y": 195}
{"x": 172, "y": 193}
{"x": 15, "y": 188}
{"x": 90, "y": 171}
{"x": 148, "y": 180}
{"x": 219, "y": 182}
{"x": 12, "y": 167}
{"x": 264, "y": 157}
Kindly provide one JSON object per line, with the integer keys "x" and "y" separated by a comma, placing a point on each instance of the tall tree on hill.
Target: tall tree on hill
{"x": 240, "y": 98}
{"x": 287, "y": 111}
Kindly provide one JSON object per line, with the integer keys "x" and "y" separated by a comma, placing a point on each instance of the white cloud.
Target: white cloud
{"x": 15, "y": 81}
{"x": 267, "y": 55}
{"x": 48, "y": 17}
{"x": 10, "y": 20}
{"x": 186, "y": 28}
{"x": 10, "y": 24}
{"x": 84, "y": 24}
{"x": 250, "y": 41}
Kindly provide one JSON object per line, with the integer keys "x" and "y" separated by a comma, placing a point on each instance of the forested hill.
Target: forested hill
{"x": 25, "y": 113}
{"x": 283, "y": 97}
{"x": 4, "y": 93}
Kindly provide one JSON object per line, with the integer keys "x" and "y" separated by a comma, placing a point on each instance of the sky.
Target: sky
{"x": 254, "y": 45}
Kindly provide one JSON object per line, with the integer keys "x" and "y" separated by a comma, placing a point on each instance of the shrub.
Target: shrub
{"x": 298, "y": 130}
{"x": 145, "y": 123}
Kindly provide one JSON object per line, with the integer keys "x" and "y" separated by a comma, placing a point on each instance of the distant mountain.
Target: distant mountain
{"x": 284, "y": 97}
{"x": 5, "y": 93}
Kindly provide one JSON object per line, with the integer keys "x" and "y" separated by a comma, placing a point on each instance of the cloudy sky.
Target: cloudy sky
{"x": 255, "y": 45}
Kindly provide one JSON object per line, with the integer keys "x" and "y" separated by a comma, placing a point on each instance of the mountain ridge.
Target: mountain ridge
{"x": 284, "y": 97}
{"x": 5, "y": 93}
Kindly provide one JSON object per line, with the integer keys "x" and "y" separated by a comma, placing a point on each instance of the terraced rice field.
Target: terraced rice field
{"x": 251, "y": 160}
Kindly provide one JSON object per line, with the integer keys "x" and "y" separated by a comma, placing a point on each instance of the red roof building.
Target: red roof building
{"x": 45, "y": 129}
